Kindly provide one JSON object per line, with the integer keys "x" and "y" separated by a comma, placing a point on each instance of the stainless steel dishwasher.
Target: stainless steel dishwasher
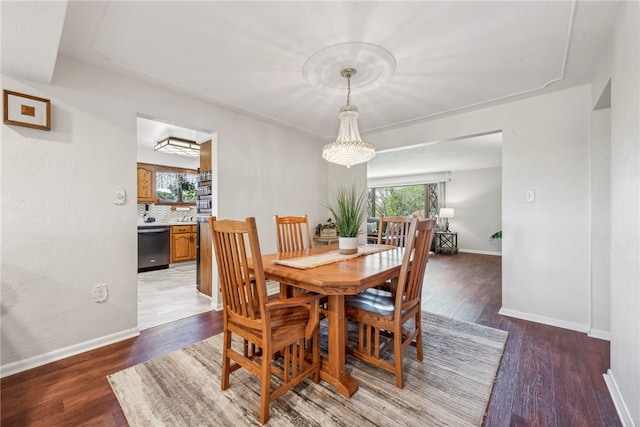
{"x": 154, "y": 248}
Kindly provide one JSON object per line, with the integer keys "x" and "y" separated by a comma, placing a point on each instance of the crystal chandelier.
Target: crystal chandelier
{"x": 348, "y": 149}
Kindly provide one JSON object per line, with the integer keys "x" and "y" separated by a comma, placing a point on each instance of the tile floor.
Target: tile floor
{"x": 168, "y": 295}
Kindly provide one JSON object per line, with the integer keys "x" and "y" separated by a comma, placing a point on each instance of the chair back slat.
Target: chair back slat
{"x": 412, "y": 270}
{"x": 394, "y": 230}
{"x": 243, "y": 294}
{"x": 292, "y": 232}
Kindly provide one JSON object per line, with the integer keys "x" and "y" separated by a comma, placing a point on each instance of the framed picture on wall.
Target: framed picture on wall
{"x": 26, "y": 110}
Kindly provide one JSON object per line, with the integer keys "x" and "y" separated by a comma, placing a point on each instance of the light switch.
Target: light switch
{"x": 529, "y": 196}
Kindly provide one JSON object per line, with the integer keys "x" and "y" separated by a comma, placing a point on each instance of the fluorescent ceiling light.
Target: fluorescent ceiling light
{"x": 181, "y": 147}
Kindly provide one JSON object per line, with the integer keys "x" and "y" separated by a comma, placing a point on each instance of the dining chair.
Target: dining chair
{"x": 386, "y": 319}
{"x": 274, "y": 332}
{"x": 294, "y": 233}
{"x": 393, "y": 230}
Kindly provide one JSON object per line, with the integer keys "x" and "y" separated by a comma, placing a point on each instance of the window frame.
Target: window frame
{"x": 171, "y": 169}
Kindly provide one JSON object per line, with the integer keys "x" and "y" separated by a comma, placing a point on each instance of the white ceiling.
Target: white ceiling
{"x": 249, "y": 56}
{"x": 474, "y": 152}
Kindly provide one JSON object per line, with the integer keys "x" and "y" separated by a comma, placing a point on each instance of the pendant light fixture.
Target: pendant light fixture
{"x": 349, "y": 148}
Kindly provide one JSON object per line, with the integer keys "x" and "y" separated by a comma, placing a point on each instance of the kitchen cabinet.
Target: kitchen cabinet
{"x": 146, "y": 183}
{"x": 183, "y": 243}
{"x": 166, "y": 185}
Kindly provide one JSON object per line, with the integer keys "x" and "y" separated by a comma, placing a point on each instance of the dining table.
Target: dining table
{"x": 336, "y": 280}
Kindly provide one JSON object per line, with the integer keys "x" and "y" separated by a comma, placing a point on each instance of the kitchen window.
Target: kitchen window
{"x": 175, "y": 186}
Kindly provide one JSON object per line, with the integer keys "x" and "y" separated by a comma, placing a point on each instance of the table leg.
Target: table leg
{"x": 333, "y": 368}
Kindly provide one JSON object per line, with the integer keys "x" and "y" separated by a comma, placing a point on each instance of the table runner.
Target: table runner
{"x": 312, "y": 261}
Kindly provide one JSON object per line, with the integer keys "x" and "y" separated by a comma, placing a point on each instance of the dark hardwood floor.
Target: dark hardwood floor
{"x": 547, "y": 377}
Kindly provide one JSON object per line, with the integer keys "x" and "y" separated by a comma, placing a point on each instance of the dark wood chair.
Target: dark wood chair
{"x": 386, "y": 319}
{"x": 274, "y": 332}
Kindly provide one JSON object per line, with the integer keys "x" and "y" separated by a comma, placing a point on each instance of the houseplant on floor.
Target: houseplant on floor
{"x": 348, "y": 211}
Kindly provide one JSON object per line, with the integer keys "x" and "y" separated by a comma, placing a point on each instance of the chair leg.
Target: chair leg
{"x": 397, "y": 355}
{"x": 265, "y": 389}
{"x": 225, "y": 360}
{"x": 419, "y": 349}
{"x": 316, "y": 355}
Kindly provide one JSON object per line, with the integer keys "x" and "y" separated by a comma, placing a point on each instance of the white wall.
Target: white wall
{"x": 547, "y": 244}
{"x": 601, "y": 223}
{"x": 622, "y": 66}
{"x": 61, "y": 235}
{"x": 545, "y": 254}
{"x": 546, "y": 257}
{"x": 476, "y": 196}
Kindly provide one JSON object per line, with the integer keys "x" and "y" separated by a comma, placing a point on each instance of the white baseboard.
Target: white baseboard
{"x": 618, "y": 401}
{"x": 593, "y": 333}
{"x": 544, "y": 320}
{"x": 43, "y": 359}
{"x": 473, "y": 251}
{"x": 600, "y": 334}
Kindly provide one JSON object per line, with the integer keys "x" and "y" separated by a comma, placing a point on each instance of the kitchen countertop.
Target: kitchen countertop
{"x": 160, "y": 224}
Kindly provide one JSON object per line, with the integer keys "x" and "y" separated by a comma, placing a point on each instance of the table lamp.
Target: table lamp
{"x": 447, "y": 213}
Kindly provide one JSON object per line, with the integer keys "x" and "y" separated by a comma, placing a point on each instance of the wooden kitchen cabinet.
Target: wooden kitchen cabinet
{"x": 183, "y": 243}
{"x": 146, "y": 183}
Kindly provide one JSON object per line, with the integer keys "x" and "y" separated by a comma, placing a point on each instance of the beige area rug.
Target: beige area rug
{"x": 450, "y": 387}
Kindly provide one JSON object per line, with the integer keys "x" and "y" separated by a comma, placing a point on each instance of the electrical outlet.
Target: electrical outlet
{"x": 101, "y": 292}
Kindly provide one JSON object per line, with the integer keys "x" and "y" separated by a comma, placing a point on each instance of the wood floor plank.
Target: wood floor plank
{"x": 547, "y": 376}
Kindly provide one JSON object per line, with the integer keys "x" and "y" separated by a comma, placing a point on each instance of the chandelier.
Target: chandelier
{"x": 348, "y": 149}
{"x": 181, "y": 147}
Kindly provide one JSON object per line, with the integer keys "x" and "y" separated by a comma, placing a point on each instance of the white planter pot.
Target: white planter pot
{"x": 348, "y": 245}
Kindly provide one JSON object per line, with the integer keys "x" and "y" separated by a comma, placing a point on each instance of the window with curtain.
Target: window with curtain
{"x": 175, "y": 185}
{"x": 412, "y": 200}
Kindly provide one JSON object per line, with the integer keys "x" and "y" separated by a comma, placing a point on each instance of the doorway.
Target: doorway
{"x": 169, "y": 293}
{"x": 468, "y": 174}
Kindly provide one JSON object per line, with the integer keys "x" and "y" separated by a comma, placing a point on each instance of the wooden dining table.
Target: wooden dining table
{"x": 335, "y": 280}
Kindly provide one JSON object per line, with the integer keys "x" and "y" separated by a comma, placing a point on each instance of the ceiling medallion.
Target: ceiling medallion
{"x": 374, "y": 63}
{"x": 373, "y": 66}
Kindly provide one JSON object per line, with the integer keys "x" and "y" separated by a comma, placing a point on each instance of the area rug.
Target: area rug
{"x": 450, "y": 387}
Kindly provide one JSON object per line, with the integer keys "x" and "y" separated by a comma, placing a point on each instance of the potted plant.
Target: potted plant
{"x": 349, "y": 214}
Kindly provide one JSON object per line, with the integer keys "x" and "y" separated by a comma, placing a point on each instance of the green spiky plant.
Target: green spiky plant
{"x": 348, "y": 210}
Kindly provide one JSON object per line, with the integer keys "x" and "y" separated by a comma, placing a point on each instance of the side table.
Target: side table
{"x": 327, "y": 240}
{"x": 446, "y": 241}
